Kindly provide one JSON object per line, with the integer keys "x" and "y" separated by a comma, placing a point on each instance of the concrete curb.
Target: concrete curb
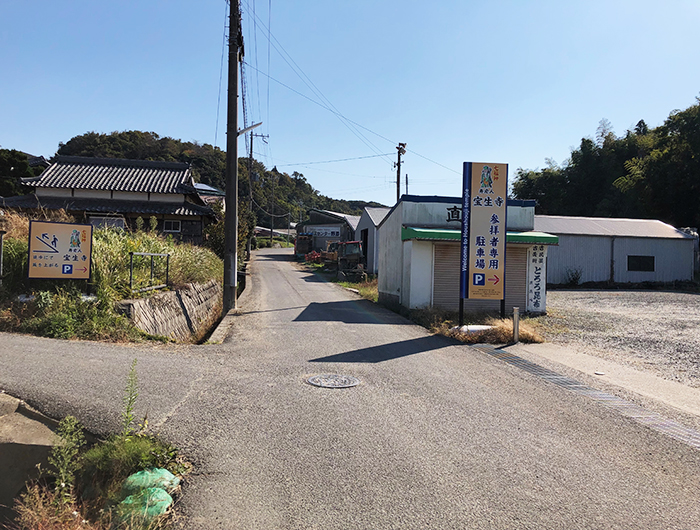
{"x": 222, "y": 330}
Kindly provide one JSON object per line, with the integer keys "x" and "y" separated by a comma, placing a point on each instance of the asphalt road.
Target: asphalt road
{"x": 437, "y": 435}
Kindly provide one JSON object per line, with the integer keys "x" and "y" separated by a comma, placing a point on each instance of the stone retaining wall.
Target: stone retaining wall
{"x": 182, "y": 314}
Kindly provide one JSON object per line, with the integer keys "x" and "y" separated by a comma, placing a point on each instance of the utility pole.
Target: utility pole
{"x": 406, "y": 183}
{"x": 401, "y": 148}
{"x": 235, "y": 51}
{"x": 272, "y": 206}
{"x": 250, "y": 196}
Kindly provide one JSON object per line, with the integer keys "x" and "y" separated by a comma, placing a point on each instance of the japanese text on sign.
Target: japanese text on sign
{"x": 484, "y": 230}
{"x": 59, "y": 250}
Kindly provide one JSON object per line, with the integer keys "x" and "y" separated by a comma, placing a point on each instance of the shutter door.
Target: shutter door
{"x": 446, "y": 280}
{"x": 446, "y": 275}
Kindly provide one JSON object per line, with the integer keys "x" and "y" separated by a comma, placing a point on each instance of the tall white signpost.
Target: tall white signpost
{"x": 483, "y": 255}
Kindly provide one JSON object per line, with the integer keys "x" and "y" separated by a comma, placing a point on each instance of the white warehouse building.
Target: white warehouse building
{"x": 419, "y": 256}
{"x": 594, "y": 249}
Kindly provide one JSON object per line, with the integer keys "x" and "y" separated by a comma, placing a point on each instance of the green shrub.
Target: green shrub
{"x": 65, "y": 315}
{"x": 106, "y": 465}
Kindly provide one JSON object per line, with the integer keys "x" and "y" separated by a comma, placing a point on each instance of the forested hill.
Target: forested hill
{"x": 647, "y": 173}
{"x": 293, "y": 194}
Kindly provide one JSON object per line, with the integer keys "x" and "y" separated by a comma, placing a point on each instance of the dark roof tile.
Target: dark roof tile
{"x": 116, "y": 174}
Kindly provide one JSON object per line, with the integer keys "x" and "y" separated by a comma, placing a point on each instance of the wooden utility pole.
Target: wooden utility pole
{"x": 235, "y": 51}
{"x": 401, "y": 148}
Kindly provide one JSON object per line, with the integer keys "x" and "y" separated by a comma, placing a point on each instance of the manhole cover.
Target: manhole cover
{"x": 333, "y": 381}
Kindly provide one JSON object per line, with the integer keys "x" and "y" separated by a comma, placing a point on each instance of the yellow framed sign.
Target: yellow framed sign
{"x": 60, "y": 251}
{"x": 483, "y": 262}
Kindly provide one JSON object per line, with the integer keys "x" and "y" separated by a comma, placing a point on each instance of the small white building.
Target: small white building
{"x": 595, "y": 249}
{"x": 366, "y": 232}
{"x": 419, "y": 256}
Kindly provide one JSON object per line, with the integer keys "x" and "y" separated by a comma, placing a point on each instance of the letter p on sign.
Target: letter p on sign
{"x": 479, "y": 279}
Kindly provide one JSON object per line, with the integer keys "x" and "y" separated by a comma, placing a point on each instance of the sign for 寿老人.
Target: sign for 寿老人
{"x": 59, "y": 250}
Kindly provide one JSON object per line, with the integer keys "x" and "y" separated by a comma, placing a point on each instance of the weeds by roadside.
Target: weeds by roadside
{"x": 87, "y": 489}
{"x": 443, "y": 322}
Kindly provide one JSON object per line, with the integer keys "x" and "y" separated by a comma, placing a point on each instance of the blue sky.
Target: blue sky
{"x": 491, "y": 81}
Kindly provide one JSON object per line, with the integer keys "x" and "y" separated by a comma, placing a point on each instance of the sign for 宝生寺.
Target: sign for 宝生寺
{"x": 59, "y": 250}
{"x": 483, "y": 257}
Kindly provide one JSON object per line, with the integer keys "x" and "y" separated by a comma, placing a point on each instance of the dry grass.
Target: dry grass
{"x": 16, "y": 224}
{"x": 40, "y": 509}
{"x": 443, "y": 322}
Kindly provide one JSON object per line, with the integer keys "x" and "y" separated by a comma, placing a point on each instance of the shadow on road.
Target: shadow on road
{"x": 276, "y": 257}
{"x": 348, "y": 312}
{"x": 388, "y": 352}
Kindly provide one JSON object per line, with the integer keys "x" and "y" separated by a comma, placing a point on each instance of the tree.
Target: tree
{"x": 13, "y": 166}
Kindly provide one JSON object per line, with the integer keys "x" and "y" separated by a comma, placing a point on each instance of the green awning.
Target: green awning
{"x": 447, "y": 234}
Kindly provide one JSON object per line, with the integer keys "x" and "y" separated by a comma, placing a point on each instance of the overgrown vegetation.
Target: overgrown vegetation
{"x": 367, "y": 289}
{"x": 60, "y": 309}
{"x": 83, "y": 489}
{"x": 650, "y": 173}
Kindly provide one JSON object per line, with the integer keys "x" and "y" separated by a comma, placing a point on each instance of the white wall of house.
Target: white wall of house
{"x": 53, "y": 192}
{"x": 167, "y": 197}
{"x": 420, "y": 274}
{"x": 129, "y": 196}
{"x": 92, "y": 194}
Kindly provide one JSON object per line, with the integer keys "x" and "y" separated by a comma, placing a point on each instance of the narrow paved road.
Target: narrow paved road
{"x": 437, "y": 435}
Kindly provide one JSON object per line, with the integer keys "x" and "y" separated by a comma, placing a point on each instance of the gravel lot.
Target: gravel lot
{"x": 649, "y": 330}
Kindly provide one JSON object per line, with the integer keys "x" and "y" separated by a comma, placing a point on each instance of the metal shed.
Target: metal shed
{"x": 595, "y": 249}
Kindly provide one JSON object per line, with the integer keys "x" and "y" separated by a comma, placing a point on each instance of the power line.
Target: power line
{"x": 221, "y": 75}
{"x": 323, "y": 106}
{"x": 331, "y": 161}
{"x": 268, "y": 213}
{"x": 307, "y": 81}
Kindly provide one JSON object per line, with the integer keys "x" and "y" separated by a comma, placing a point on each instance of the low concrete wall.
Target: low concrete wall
{"x": 182, "y": 315}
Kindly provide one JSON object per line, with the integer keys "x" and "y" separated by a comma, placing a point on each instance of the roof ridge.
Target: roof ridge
{"x": 131, "y": 162}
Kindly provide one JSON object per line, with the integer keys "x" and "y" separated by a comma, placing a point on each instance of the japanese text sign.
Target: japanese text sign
{"x": 483, "y": 257}
{"x": 59, "y": 250}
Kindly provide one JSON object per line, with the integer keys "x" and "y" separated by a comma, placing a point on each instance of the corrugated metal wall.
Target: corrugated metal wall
{"x": 446, "y": 279}
{"x": 673, "y": 259}
{"x": 589, "y": 254}
{"x": 592, "y": 255}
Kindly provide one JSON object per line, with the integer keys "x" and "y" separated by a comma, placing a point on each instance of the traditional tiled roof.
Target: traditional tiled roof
{"x": 71, "y": 204}
{"x": 115, "y": 174}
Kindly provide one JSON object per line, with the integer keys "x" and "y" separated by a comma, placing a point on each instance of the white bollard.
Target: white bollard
{"x": 516, "y": 325}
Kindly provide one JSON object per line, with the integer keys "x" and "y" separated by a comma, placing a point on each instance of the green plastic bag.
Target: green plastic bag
{"x": 145, "y": 506}
{"x": 149, "y": 478}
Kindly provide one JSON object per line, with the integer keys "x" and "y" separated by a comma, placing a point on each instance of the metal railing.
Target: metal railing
{"x": 152, "y": 287}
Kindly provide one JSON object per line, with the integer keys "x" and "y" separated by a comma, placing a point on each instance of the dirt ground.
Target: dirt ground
{"x": 650, "y": 330}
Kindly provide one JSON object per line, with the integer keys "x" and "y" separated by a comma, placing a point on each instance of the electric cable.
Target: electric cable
{"x": 221, "y": 74}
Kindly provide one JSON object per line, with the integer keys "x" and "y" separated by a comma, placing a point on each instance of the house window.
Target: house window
{"x": 99, "y": 221}
{"x": 640, "y": 263}
{"x": 171, "y": 226}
